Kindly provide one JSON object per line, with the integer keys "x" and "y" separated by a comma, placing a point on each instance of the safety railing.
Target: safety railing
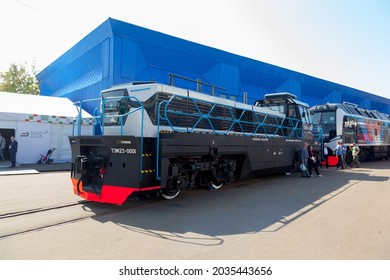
{"x": 318, "y": 136}
{"x": 318, "y": 133}
{"x": 78, "y": 120}
{"x": 198, "y": 83}
{"x": 98, "y": 117}
{"x": 185, "y": 114}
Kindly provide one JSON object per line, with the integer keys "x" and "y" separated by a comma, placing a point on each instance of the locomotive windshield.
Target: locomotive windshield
{"x": 114, "y": 105}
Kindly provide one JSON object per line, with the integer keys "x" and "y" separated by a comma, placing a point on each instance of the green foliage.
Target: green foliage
{"x": 18, "y": 79}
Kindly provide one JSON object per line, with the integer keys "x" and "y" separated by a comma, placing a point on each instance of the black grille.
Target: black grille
{"x": 92, "y": 141}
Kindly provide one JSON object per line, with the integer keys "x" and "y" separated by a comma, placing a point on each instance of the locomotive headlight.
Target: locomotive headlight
{"x": 123, "y": 142}
{"x": 102, "y": 172}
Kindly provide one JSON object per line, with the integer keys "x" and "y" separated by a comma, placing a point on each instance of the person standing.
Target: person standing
{"x": 304, "y": 158}
{"x": 355, "y": 155}
{"x": 312, "y": 162}
{"x": 13, "y": 149}
{"x": 326, "y": 155}
{"x": 339, "y": 154}
{"x": 344, "y": 155}
{"x": 2, "y": 147}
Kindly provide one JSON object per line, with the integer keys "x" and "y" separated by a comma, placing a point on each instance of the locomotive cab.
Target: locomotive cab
{"x": 287, "y": 104}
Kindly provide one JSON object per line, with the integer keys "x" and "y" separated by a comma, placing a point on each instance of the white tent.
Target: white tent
{"x": 39, "y": 123}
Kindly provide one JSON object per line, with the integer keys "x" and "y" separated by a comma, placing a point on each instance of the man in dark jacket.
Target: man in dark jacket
{"x": 13, "y": 149}
{"x": 2, "y": 147}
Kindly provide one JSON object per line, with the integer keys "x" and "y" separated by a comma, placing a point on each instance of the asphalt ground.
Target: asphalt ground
{"x": 341, "y": 216}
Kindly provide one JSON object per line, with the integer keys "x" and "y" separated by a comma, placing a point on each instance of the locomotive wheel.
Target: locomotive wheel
{"x": 216, "y": 186}
{"x": 171, "y": 190}
{"x": 170, "y": 195}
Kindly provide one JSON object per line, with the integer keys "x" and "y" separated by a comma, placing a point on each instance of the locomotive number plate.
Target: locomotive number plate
{"x": 123, "y": 151}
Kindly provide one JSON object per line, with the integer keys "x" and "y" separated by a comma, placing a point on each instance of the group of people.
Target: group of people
{"x": 12, "y": 149}
{"x": 309, "y": 161}
{"x": 341, "y": 152}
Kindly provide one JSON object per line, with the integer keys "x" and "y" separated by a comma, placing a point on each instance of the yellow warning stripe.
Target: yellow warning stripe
{"x": 148, "y": 171}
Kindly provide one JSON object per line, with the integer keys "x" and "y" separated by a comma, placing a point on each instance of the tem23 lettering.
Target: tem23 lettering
{"x": 123, "y": 151}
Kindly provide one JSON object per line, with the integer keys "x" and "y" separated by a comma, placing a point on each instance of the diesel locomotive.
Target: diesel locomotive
{"x": 348, "y": 123}
{"x": 162, "y": 139}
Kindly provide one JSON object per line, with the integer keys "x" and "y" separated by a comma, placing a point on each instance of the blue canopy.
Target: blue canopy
{"x": 117, "y": 52}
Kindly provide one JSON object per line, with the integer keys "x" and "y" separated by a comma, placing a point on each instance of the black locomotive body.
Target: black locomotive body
{"x": 162, "y": 139}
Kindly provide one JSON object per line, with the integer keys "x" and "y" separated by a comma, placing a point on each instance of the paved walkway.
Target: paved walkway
{"x": 32, "y": 168}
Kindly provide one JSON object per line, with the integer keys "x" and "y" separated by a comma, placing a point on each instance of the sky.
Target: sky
{"x": 343, "y": 41}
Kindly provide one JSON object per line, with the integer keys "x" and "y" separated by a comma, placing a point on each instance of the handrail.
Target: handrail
{"x": 99, "y": 118}
{"x": 79, "y": 117}
{"x": 198, "y": 83}
{"x": 262, "y": 125}
{"x": 276, "y": 127}
{"x": 318, "y": 135}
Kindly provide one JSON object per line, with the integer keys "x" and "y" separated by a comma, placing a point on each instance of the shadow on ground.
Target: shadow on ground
{"x": 263, "y": 204}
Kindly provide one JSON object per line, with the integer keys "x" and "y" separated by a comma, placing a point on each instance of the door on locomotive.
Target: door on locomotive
{"x": 324, "y": 117}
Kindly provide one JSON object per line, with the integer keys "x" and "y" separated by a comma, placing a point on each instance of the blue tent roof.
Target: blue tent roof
{"x": 118, "y": 52}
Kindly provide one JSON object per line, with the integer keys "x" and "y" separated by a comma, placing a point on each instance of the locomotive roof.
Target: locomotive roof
{"x": 271, "y": 98}
{"x": 144, "y": 90}
{"x": 351, "y": 109}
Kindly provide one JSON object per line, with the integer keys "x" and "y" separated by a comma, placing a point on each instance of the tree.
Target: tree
{"x": 18, "y": 79}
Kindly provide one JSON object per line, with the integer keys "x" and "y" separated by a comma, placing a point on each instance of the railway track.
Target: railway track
{"x": 38, "y": 219}
{"x": 42, "y": 209}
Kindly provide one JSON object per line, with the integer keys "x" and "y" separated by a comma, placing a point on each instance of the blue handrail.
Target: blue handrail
{"x": 272, "y": 125}
{"x": 99, "y": 117}
{"x": 79, "y": 117}
{"x": 262, "y": 124}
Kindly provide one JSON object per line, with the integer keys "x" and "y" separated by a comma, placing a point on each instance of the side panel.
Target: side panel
{"x": 259, "y": 155}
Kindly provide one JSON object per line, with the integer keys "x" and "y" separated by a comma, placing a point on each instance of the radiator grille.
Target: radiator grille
{"x": 92, "y": 141}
